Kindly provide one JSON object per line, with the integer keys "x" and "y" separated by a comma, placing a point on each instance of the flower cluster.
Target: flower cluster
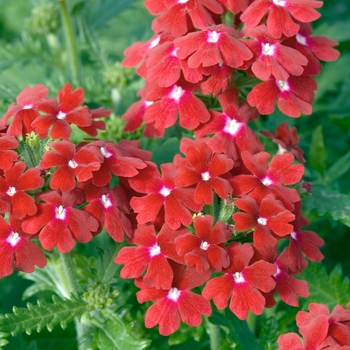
{"x": 52, "y": 190}
{"x": 218, "y": 212}
{"x": 320, "y": 329}
{"x": 213, "y": 217}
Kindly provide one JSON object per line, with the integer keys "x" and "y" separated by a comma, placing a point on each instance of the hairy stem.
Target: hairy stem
{"x": 73, "y": 57}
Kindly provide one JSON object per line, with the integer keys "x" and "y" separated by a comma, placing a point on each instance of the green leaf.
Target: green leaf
{"x": 339, "y": 168}
{"x": 332, "y": 74}
{"x": 238, "y": 331}
{"x": 327, "y": 289}
{"x": 318, "y": 152}
{"x": 112, "y": 334}
{"x": 338, "y": 31}
{"x": 99, "y": 15}
{"x": 327, "y": 201}
{"x": 165, "y": 151}
{"x": 106, "y": 267}
{"x": 44, "y": 314}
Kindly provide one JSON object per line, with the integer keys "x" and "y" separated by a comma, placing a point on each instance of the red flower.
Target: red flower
{"x": 235, "y": 6}
{"x": 320, "y": 329}
{"x": 7, "y": 155}
{"x": 205, "y": 250}
{"x": 280, "y": 12}
{"x": 25, "y": 112}
{"x": 178, "y": 17}
{"x": 307, "y": 242}
{"x": 96, "y": 124}
{"x": 168, "y": 103}
{"x": 287, "y": 140}
{"x": 61, "y": 114}
{"x": 151, "y": 254}
{"x": 230, "y": 129}
{"x": 123, "y": 159}
{"x": 294, "y": 96}
{"x": 165, "y": 67}
{"x": 162, "y": 193}
{"x": 269, "y": 179}
{"x": 204, "y": 168}
{"x": 269, "y": 219}
{"x": 12, "y": 187}
{"x": 176, "y": 302}
{"x": 108, "y": 207}
{"x": 71, "y": 164}
{"x": 314, "y": 49}
{"x": 288, "y": 287}
{"x": 59, "y": 222}
{"x": 243, "y": 282}
{"x": 16, "y": 249}
{"x": 213, "y": 46}
{"x": 271, "y": 57}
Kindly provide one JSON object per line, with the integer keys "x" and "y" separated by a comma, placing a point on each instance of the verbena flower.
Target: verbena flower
{"x": 59, "y": 223}
{"x": 17, "y": 250}
{"x": 176, "y": 303}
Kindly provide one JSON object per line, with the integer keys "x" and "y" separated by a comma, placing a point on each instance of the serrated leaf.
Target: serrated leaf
{"x": 327, "y": 201}
{"x": 36, "y": 317}
{"x": 318, "y": 152}
{"x": 327, "y": 289}
{"x": 238, "y": 331}
{"x": 112, "y": 334}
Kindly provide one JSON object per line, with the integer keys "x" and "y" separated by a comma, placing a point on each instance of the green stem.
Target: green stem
{"x": 214, "y": 336}
{"x": 70, "y": 41}
{"x": 73, "y": 286}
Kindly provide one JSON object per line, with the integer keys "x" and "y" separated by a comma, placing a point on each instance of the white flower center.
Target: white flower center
{"x": 61, "y": 115}
{"x": 278, "y": 271}
{"x": 173, "y": 53}
{"x": 13, "y": 238}
{"x": 60, "y": 213}
{"x": 283, "y": 85}
{"x": 72, "y": 164}
{"x": 301, "y": 39}
{"x": 205, "y": 176}
{"x": 105, "y": 152}
{"x": 106, "y": 202}
{"x": 279, "y": 2}
{"x": 266, "y": 181}
{"x": 204, "y": 245}
{"x": 154, "y": 42}
{"x": 182, "y": 1}
{"x": 11, "y": 191}
{"x": 155, "y": 250}
{"x": 268, "y": 49}
{"x": 28, "y": 106}
{"x": 262, "y": 221}
{"x": 174, "y": 294}
{"x": 213, "y": 36}
{"x": 148, "y": 103}
{"x": 293, "y": 235}
{"x": 232, "y": 126}
{"x": 165, "y": 191}
{"x": 238, "y": 277}
{"x": 176, "y": 92}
